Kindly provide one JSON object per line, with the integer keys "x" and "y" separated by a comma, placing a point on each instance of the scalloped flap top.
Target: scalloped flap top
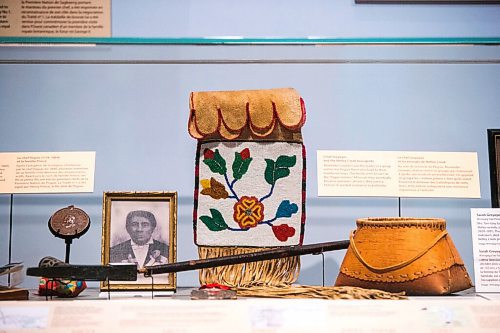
{"x": 228, "y": 114}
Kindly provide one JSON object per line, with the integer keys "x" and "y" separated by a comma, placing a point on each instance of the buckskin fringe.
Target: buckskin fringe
{"x": 298, "y": 291}
{"x": 275, "y": 272}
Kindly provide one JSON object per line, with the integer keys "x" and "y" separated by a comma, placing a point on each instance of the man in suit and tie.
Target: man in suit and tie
{"x": 141, "y": 248}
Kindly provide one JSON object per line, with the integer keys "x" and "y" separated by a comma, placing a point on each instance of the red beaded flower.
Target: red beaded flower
{"x": 248, "y": 212}
{"x": 283, "y": 231}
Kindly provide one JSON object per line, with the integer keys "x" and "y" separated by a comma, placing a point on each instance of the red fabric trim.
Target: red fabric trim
{"x": 191, "y": 114}
{"x": 264, "y": 133}
{"x": 230, "y": 137}
{"x": 229, "y": 129}
{"x": 192, "y": 131}
{"x": 301, "y": 121}
{"x": 215, "y": 286}
{"x": 304, "y": 112}
{"x": 216, "y": 128}
{"x": 262, "y": 129}
{"x": 236, "y": 132}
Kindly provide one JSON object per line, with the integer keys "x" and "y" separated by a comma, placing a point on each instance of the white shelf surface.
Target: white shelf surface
{"x": 463, "y": 312}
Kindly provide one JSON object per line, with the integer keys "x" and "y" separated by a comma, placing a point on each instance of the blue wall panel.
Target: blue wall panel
{"x": 135, "y": 117}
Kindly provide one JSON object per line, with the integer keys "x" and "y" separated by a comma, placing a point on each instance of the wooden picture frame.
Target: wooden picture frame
{"x": 140, "y": 227}
{"x": 494, "y": 153}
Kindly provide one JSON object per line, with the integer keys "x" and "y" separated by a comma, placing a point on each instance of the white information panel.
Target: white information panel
{"x": 486, "y": 244}
{"x": 55, "y": 18}
{"x": 47, "y": 172}
{"x": 398, "y": 174}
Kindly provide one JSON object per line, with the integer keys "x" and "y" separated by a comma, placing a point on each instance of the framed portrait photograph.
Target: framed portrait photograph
{"x": 140, "y": 228}
{"x": 494, "y": 152}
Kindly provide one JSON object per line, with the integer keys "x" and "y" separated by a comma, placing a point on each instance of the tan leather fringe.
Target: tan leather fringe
{"x": 298, "y": 291}
{"x": 276, "y": 272}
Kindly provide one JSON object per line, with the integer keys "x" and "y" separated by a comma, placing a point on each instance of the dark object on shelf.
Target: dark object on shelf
{"x": 49, "y": 261}
{"x": 494, "y": 152}
{"x": 13, "y": 294}
{"x": 282, "y": 252}
{"x": 87, "y": 272}
{"x": 60, "y": 287}
{"x": 66, "y": 288}
{"x": 403, "y": 254}
{"x": 69, "y": 223}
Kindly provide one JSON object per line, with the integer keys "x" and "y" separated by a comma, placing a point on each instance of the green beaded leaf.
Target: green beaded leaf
{"x": 217, "y": 164}
{"x": 278, "y": 169}
{"x": 216, "y": 222}
{"x": 269, "y": 173}
{"x": 286, "y": 161}
{"x": 240, "y": 166}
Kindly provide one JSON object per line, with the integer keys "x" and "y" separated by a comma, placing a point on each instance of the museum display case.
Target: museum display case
{"x": 127, "y": 99}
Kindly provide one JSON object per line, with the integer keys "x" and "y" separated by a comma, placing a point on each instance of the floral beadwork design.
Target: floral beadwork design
{"x": 248, "y": 210}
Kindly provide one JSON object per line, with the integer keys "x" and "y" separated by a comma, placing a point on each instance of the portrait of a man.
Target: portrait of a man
{"x": 141, "y": 249}
{"x": 140, "y": 228}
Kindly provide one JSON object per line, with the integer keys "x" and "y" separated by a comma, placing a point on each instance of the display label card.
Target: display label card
{"x": 398, "y": 174}
{"x": 251, "y": 315}
{"x": 486, "y": 245}
{"x": 51, "y": 172}
{"x": 55, "y": 18}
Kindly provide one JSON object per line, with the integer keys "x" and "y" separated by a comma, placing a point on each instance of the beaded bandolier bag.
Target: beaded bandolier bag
{"x": 250, "y": 178}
